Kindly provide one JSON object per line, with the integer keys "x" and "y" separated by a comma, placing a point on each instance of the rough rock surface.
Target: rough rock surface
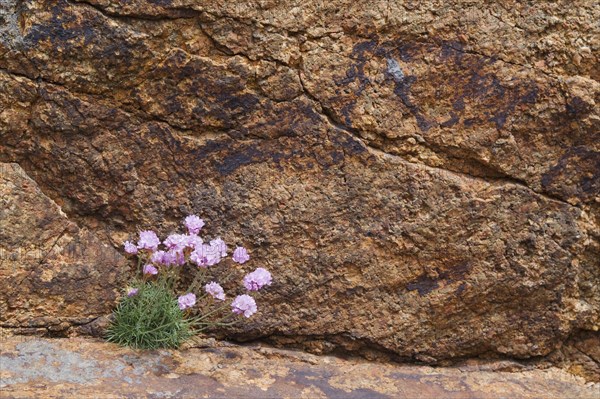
{"x": 421, "y": 178}
{"x": 580, "y": 355}
{"x": 56, "y": 278}
{"x": 62, "y": 368}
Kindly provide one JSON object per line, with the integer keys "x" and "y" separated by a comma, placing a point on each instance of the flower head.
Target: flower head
{"x": 132, "y": 292}
{"x": 158, "y": 257}
{"x": 194, "y": 224}
{"x": 186, "y": 301}
{"x": 257, "y": 279}
{"x": 244, "y": 304}
{"x": 197, "y": 256}
{"x": 148, "y": 240}
{"x": 149, "y": 269}
{"x": 179, "y": 258}
{"x": 205, "y": 255}
{"x": 193, "y": 241}
{"x": 215, "y": 290}
{"x": 130, "y": 248}
{"x": 176, "y": 242}
{"x": 240, "y": 255}
{"x": 220, "y": 246}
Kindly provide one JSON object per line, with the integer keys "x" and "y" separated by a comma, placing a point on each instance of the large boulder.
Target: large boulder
{"x": 422, "y": 179}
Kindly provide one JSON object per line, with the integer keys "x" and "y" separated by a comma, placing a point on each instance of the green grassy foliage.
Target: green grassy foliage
{"x": 149, "y": 320}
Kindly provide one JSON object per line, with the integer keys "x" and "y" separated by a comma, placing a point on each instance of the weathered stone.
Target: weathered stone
{"x": 580, "y": 355}
{"x": 422, "y": 183}
{"x": 54, "y": 275}
{"x": 60, "y": 368}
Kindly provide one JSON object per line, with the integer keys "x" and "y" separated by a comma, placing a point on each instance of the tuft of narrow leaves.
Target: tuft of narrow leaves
{"x": 150, "y": 319}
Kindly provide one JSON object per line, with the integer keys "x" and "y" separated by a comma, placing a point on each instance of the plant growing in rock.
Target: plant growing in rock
{"x": 156, "y": 312}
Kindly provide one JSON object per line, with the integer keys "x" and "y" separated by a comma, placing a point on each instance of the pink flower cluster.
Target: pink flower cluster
{"x": 240, "y": 255}
{"x": 149, "y": 269}
{"x": 186, "y": 301}
{"x": 244, "y": 304}
{"x": 181, "y": 249}
{"x": 257, "y": 279}
{"x": 193, "y": 224}
{"x": 215, "y": 290}
{"x": 148, "y": 240}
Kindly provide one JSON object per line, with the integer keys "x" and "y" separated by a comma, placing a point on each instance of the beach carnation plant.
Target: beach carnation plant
{"x": 175, "y": 292}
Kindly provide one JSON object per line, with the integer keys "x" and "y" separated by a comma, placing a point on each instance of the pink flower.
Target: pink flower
{"x": 257, "y": 279}
{"x": 132, "y": 292}
{"x": 193, "y": 241}
{"x": 220, "y": 246}
{"x": 205, "y": 255}
{"x": 240, "y": 255}
{"x": 158, "y": 257}
{"x": 244, "y": 304}
{"x": 194, "y": 224}
{"x": 149, "y": 269}
{"x": 179, "y": 257}
{"x": 148, "y": 240}
{"x": 176, "y": 242}
{"x": 186, "y": 301}
{"x": 197, "y": 256}
{"x": 213, "y": 256}
{"x": 130, "y": 248}
{"x": 215, "y": 290}
{"x": 179, "y": 242}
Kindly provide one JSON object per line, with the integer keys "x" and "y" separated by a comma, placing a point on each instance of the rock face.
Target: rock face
{"x": 580, "y": 355}
{"x": 67, "y": 368}
{"x": 422, "y": 178}
{"x": 57, "y": 278}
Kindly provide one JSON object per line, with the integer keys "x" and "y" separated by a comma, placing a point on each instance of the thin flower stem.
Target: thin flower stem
{"x": 207, "y": 325}
{"x": 226, "y": 278}
{"x": 174, "y": 278}
{"x": 204, "y": 316}
{"x": 197, "y": 280}
{"x": 200, "y": 298}
{"x": 177, "y": 274}
{"x": 231, "y": 323}
{"x": 139, "y": 265}
{"x": 205, "y": 304}
{"x": 222, "y": 321}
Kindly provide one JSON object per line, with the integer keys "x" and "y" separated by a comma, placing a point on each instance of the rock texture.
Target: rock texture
{"x": 63, "y": 368}
{"x": 422, "y": 178}
{"x": 580, "y": 355}
{"x": 56, "y": 278}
